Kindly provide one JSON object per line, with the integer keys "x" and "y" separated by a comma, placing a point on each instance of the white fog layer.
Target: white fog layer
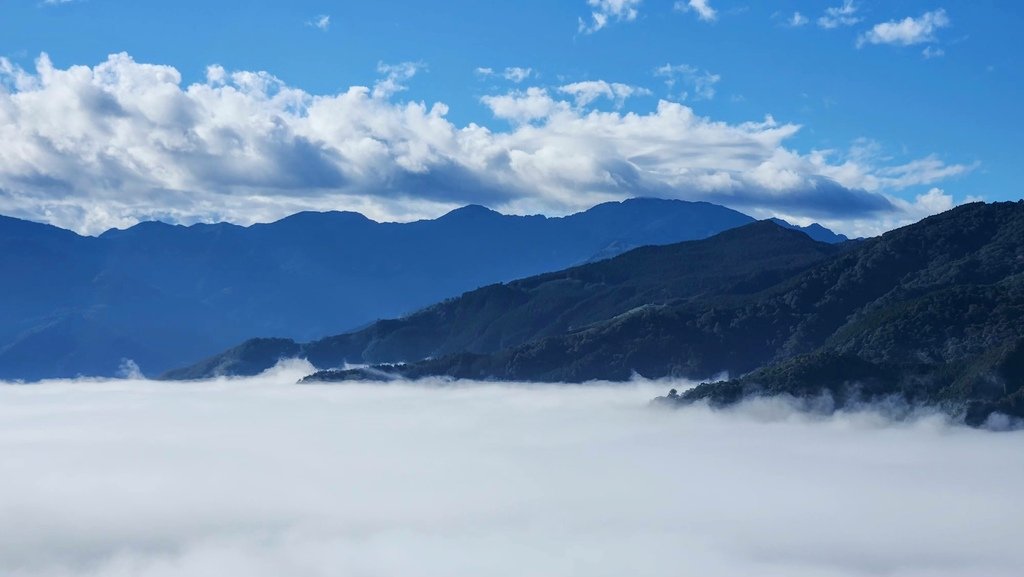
{"x": 261, "y": 477}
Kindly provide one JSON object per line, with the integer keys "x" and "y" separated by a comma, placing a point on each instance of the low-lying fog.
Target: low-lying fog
{"x": 261, "y": 477}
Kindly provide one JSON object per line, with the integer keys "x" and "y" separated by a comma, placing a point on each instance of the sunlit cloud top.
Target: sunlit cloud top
{"x": 100, "y": 146}
{"x": 858, "y": 114}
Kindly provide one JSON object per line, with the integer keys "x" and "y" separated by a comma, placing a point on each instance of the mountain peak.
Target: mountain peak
{"x": 21, "y": 228}
{"x": 144, "y": 227}
{"x": 642, "y": 203}
{"x": 470, "y": 212}
{"x": 813, "y": 230}
{"x": 761, "y": 231}
{"x": 331, "y": 216}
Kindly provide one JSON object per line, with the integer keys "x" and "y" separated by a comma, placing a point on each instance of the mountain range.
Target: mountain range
{"x": 507, "y": 318}
{"x": 932, "y": 313}
{"x": 164, "y": 295}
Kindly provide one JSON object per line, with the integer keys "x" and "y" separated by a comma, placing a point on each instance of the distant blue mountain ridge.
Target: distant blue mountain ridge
{"x": 164, "y": 295}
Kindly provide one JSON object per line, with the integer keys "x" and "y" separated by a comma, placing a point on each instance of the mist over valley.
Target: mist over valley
{"x": 258, "y": 476}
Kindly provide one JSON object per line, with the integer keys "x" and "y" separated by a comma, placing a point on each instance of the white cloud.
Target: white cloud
{"x": 216, "y": 75}
{"x": 517, "y": 74}
{"x": 586, "y": 92}
{"x": 702, "y": 8}
{"x": 88, "y": 148}
{"x": 690, "y": 81}
{"x": 930, "y": 52}
{"x": 532, "y": 104}
{"x": 263, "y": 478}
{"x": 323, "y": 22}
{"x": 929, "y": 203}
{"x": 395, "y": 75}
{"x": 607, "y": 11}
{"x": 906, "y": 212}
{"x": 836, "y": 16}
{"x": 797, "y": 20}
{"x": 908, "y": 31}
{"x": 921, "y": 171}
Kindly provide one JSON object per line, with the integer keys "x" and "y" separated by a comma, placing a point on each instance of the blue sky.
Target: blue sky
{"x": 906, "y": 106}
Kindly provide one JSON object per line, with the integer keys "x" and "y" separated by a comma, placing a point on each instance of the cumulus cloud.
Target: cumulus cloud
{"x": 607, "y": 11}
{"x": 902, "y": 212}
{"x": 93, "y": 147}
{"x": 908, "y": 31}
{"x": 702, "y": 8}
{"x": 588, "y": 91}
{"x": 395, "y": 75}
{"x": 261, "y": 477}
{"x": 693, "y": 82}
{"x": 836, "y": 16}
{"x": 524, "y": 106}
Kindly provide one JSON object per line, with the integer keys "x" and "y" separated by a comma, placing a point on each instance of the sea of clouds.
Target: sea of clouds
{"x": 262, "y": 477}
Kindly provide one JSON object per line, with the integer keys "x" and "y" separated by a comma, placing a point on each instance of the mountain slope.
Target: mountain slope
{"x": 506, "y": 316}
{"x": 165, "y": 295}
{"x": 814, "y": 230}
{"x": 932, "y": 313}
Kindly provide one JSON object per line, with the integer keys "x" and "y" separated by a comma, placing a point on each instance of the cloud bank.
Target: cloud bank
{"x": 89, "y": 148}
{"x": 260, "y": 477}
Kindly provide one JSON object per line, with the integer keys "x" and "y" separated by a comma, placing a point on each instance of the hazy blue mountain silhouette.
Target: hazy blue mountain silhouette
{"x": 814, "y": 230}
{"x": 164, "y": 295}
{"x": 507, "y": 316}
